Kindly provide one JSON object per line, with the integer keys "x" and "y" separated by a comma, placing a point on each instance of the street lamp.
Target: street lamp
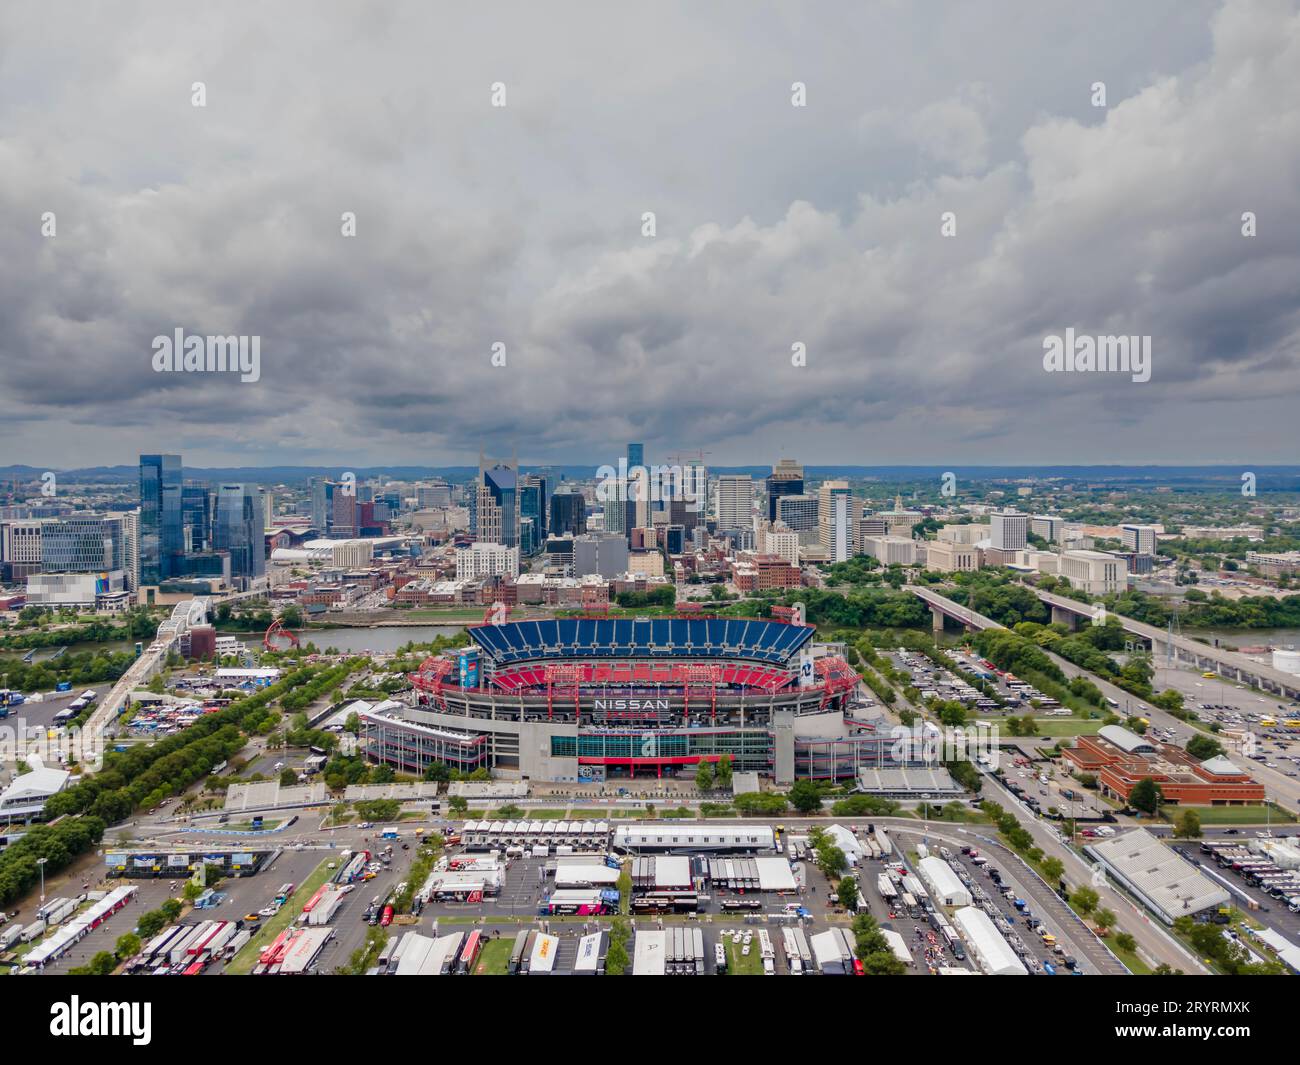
{"x": 41, "y": 864}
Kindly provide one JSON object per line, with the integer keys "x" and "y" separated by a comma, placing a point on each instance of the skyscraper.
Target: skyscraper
{"x": 834, "y": 505}
{"x": 161, "y": 545}
{"x": 322, "y": 504}
{"x": 786, "y": 479}
{"x": 568, "y": 511}
{"x": 637, "y": 508}
{"x": 495, "y": 518}
{"x": 532, "y": 505}
{"x": 237, "y": 530}
{"x": 196, "y": 518}
{"x": 735, "y": 501}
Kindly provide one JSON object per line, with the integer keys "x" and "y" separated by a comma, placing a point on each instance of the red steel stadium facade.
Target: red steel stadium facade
{"x": 594, "y": 698}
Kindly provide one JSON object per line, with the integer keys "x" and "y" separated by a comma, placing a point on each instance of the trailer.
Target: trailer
{"x": 519, "y": 951}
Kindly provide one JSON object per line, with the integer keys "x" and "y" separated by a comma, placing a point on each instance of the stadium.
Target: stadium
{"x": 596, "y": 698}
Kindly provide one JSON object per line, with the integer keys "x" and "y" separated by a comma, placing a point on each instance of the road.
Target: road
{"x": 1154, "y": 943}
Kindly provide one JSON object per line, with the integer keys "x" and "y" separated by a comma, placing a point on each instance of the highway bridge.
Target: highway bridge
{"x": 1228, "y": 664}
{"x": 184, "y": 616}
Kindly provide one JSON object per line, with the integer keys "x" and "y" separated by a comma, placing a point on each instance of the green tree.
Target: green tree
{"x": 1202, "y": 747}
{"x": 288, "y": 778}
{"x": 704, "y": 777}
{"x": 127, "y": 945}
{"x": 151, "y": 923}
{"x": 1085, "y": 900}
{"x": 457, "y": 804}
{"x": 723, "y": 771}
{"x": 1188, "y": 825}
{"x": 1146, "y": 796}
{"x": 847, "y": 892}
{"x": 437, "y": 773}
{"x": 102, "y": 964}
{"x": 805, "y": 797}
{"x": 1125, "y": 942}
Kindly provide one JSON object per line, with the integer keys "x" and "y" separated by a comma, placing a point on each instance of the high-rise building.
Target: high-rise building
{"x": 322, "y": 504}
{"x": 687, "y": 491}
{"x": 84, "y": 543}
{"x": 1009, "y": 530}
{"x": 835, "y": 520}
{"x": 20, "y": 547}
{"x": 345, "y": 522}
{"x": 196, "y": 518}
{"x": 605, "y": 554}
{"x": 636, "y": 507}
{"x": 237, "y": 530}
{"x": 161, "y": 542}
{"x": 1047, "y": 526}
{"x": 1139, "y": 538}
{"x": 786, "y": 479}
{"x": 568, "y": 511}
{"x": 799, "y": 514}
{"x": 532, "y": 510}
{"x": 735, "y": 501}
{"x": 495, "y": 518}
{"x": 433, "y": 495}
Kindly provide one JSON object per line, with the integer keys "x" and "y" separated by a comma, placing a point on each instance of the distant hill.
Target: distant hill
{"x": 1271, "y": 478}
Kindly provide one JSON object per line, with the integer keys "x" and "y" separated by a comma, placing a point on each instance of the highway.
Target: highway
{"x": 1281, "y": 787}
{"x": 1202, "y": 656}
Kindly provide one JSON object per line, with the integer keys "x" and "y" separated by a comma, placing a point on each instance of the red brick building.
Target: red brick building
{"x": 1120, "y": 758}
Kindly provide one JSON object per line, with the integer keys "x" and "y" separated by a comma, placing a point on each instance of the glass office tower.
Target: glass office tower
{"x": 161, "y": 544}
{"x": 237, "y": 529}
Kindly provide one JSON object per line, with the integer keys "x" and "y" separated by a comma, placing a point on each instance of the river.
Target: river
{"x": 351, "y": 638}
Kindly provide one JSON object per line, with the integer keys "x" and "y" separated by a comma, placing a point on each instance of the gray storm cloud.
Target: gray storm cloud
{"x": 775, "y": 225}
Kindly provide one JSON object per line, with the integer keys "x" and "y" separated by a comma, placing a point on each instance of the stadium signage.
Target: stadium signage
{"x": 631, "y": 704}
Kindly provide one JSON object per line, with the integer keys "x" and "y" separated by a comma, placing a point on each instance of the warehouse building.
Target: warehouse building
{"x": 1168, "y": 885}
{"x": 694, "y": 836}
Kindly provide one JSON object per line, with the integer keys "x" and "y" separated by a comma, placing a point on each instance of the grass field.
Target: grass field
{"x": 1068, "y": 726}
{"x": 494, "y": 958}
{"x": 1232, "y": 815}
{"x": 242, "y": 963}
{"x": 740, "y": 965}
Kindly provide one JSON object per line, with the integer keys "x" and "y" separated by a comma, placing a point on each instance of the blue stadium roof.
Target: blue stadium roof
{"x": 525, "y": 641}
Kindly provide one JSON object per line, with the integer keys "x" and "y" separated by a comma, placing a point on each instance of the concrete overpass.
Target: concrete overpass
{"x": 1227, "y": 664}
{"x": 184, "y": 616}
{"x": 942, "y": 607}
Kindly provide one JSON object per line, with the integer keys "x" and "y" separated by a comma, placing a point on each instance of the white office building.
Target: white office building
{"x": 1094, "y": 572}
{"x": 486, "y": 560}
{"x": 1048, "y": 527}
{"x": 1139, "y": 538}
{"x": 1009, "y": 530}
{"x": 735, "y": 501}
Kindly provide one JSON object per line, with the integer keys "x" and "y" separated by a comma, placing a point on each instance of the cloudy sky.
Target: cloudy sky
{"x": 775, "y": 225}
